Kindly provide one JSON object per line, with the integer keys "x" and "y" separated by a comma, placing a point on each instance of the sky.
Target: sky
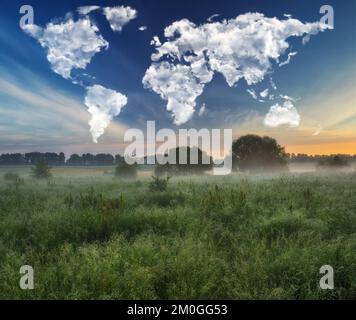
{"x": 50, "y": 104}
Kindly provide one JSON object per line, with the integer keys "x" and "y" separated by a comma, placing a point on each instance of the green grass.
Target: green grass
{"x": 234, "y": 237}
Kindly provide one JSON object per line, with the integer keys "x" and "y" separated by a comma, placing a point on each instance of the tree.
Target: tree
{"x": 335, "y": 162}
{"x": 61, "y": 159}
{"x": 75, "y": 160}
{"x": 50, "y": 157}
{"x": 104, "y": 159}
{"x": 87, "y": 159}
{"x": 41, "y": 170}
{"x": 119, "y": 159}
{"x": 12, "y": 159}
{"x": 252, "y": 152}
{"x": 202, "y": 163}
{"x": 124, "y": 170}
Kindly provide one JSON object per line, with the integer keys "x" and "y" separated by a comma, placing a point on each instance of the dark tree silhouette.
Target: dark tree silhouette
{"x": 255, "y": 153}
{"x": 203, "y": 163}
{"x": 61, "y": 159}
{"x": 12, "y": 159}
{"x": 75, "y": 160}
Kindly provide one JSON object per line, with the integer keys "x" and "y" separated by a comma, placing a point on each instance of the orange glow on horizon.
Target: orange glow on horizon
{"x": 324, "y": 149}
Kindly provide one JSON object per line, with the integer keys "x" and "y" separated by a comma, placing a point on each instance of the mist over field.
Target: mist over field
{"x": 91, "y": 235}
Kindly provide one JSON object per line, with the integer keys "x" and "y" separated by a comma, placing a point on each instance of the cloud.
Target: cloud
{"x": 37, "y": 116}
{"x": 33, "y": 30}
{"x": 282, "y": 115}
{"x": 287, "y": 98}
{"x": 306, "y": 39}
{"x": 318, "y": 131}
{"x": 211, "y": 18}
{"x": 252, "y": 93}
{"x": 273, "y": 85}
{"x": 240, "y": 48}
{"x": 69, "y": 44}
{"x": 264, "y": 93}
{"x": 119, "y": 16}
{"x": 177, "y": 85}
{"x": 87, "y": 9}
{"x": 155, "y": 41}
{"x": 202, "y": 110}
{"x": 290, "y": 55}
{"x": 103, "y": 104}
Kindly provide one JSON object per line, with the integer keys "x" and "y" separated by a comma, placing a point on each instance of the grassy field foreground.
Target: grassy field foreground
{"x": 204, "y": 238}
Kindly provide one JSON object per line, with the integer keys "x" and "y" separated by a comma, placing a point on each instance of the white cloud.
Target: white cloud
{"x": 103, "y": 104}
{"x": 142, "y": 28}
{"x": 119, "y": 16}
{"x": 306, "y": 39}
{"x": 240, "y": 48}
{"x": 211, "y": 18}
{"x": 273, "y": 85}
{"x": 69, "y": 44}
{"x": 287, "y": 98}
{"x": 33, "y": 30}
{"x": 87, "y": 9}
{"x": 202, "y": 110}
{"x": 155, "y": 41}
{"x": 290, "y": 55}
{"x": 264, "y": 93}
{"x": 318, "y": 131}
{"x": 282, "y": 115}
{"x": 252, "y": 93}
{"x": 177, "y": 85}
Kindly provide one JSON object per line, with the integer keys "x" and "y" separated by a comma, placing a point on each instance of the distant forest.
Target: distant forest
{"x": 59, "y": 159}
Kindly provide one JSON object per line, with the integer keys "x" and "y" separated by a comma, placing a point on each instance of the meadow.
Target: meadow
{"x": 90, "y": 235}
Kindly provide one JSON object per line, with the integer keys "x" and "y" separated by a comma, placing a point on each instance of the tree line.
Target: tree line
{"x": 249, "y": 152}
{"x": 300, "y": 157}
{"x": 59, "y": 159}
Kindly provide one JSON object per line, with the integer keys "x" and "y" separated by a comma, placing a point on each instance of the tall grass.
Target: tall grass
{"x": 197, "y": 238}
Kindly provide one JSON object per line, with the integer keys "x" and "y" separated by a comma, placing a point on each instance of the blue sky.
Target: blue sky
{"x": 42, "y": 111}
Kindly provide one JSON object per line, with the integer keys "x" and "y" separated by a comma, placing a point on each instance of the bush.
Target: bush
{"x": 9, "y": 176}
{"x": 159, "y": 184}
{"x": 164, "y": 199}
{"x": 41, "y": 170}
{"x": 124, "y": 170}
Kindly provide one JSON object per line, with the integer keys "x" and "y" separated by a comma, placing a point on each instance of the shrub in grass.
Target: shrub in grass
{"x": 291, "y": 225}
{"x": 214, "y": 200}
{"x": 94, "y": 201}
{"x": 159, "y": 184}
{"x": 124, "y": 170}
{"x": 41, "y": 170}
{"x": 164, "y": 199}
{"x": 9, "y": 176}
